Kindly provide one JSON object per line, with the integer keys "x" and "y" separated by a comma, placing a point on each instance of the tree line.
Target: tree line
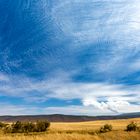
{"x": 25, "y": 127}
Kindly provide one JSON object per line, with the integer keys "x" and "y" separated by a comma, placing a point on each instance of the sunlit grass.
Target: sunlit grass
{"x": 80, "y": 131}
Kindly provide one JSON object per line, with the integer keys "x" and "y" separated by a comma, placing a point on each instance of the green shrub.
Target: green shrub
{"x": 25, "y": 127}
{"x": 42, "y": 126}
{"x": 106, "y": 128}
{"x": 2, "y": 125}
{"x": 132, "y": 127}
{"x": 28, "y": 127}
{"x": 7, "y": 129}
{"x": 17, "y": 127}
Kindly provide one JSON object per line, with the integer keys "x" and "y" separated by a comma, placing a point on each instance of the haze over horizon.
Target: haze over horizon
{"x": 72, "y": 57}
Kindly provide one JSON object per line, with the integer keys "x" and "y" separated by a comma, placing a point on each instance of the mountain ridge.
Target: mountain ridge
{"x": 66, "y": 118}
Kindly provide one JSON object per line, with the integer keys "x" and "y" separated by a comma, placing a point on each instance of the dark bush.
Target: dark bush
{"x": 42, "y": 126}
{"x": 26, "y": 127}
{"x": 138, "y": 129}
{"x": 106, "y": 128}
{"x": 17, "y": 127}
{"x": 2, "y": 125}
{"x": 132, "y": 127}
{"x": 8, "y": 129}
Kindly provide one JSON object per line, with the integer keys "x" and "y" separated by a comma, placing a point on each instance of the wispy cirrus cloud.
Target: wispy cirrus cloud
{"x": 94, "y": 44}
{"x": 107, "y": 32}
{"x": 103, "y": 96}
{"x": 10, "y": 109}
{"x": 94, "y": 21}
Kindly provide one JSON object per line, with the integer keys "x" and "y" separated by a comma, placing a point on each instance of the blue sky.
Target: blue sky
{"x": 69, "y": 57}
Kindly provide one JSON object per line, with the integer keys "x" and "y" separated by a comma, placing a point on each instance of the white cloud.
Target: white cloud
{"x": 4, "y": 77}
{"x": 9, "y": 109}
{"x": 83, "y": 23}
{"x": 92, "y": 20}
{"x": 104, "y": 96}
{"x": 88, "y": 23}
{"x": 113, "y": 104}
{"x": 78, "y": 110}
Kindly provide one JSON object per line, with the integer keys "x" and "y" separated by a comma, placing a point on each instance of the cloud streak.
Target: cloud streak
{"x": 71, "y": 50}
{"x": 104, "y": 96}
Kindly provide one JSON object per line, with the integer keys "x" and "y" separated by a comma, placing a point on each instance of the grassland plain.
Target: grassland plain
{"x": 80, "y": 131}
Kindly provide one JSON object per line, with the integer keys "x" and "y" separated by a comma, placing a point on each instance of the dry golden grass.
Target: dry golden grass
{"x": 93, "y": 125}
{"x": 80, "y": 131}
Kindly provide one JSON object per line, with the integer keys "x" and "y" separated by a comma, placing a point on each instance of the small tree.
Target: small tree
{"x": 42, "y": 126}
{"x": 132, "y": 127}
{"x": 106, "y": 128}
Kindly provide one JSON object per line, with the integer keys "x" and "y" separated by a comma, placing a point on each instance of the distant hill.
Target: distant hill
{"x": 131, "y": 115}
{"x": 66, "y": 118}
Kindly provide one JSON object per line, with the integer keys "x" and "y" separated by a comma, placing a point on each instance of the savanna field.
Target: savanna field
{"x": 80, "y": 131}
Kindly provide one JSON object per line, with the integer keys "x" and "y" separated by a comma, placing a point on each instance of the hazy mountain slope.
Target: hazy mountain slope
{"x": 66, "y": 118}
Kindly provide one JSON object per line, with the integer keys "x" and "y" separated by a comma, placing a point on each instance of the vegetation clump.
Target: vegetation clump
{"x": 106, "y": 128}
{"x": 132, "y": 127}
{"x": 42, "y": 126}
{"x": 26, "y": 127}
{"x": 2, "y": 125}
